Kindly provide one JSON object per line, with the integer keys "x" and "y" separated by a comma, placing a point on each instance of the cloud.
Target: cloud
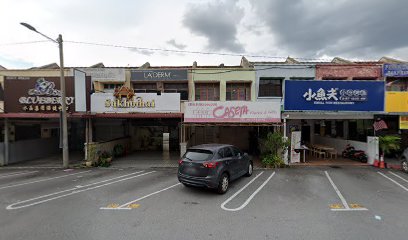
{"x": 368, "y": 28}
{"x": 142, "y": 51}
{"x": 173, "y": 43}
{"x": 217, "y": 21}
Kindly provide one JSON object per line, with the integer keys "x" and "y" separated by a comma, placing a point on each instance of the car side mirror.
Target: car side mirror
{"x": 239, "y": 155}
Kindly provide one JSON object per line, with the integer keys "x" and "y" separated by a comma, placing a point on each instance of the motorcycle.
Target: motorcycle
{"x": 351, "y": 153}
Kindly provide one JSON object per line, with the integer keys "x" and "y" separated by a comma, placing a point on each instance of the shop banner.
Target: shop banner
{"x": 331, "y": 95}
{"x": 295, "y": 145}
{"x": 37, "y": 94}
{"x": 403, "y": 123}
{"x": 395, "y": 70}
{"x": 135, "y": 103}
{"x": 158, "y": 75}
{"x": 396, "y": 101}
{"x": 234, "y": 111}
{"x": 105, "y": 74}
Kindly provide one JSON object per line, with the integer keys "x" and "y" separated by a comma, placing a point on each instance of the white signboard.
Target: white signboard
{"x": 233, "y": 111}
{"x": 141, "y": 103}
{"x": 105, "y": 74}
{"x": 295, "y": 144}
{"x": 80, "y": 91}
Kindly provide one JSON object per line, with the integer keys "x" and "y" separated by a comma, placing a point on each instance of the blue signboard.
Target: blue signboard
{"x": 395, "y": 70}
{"x": 330, "y": 95}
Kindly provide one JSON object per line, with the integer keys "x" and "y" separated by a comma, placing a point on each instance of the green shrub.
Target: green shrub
{"x": 118, "y": 150}
{"x": 273, "y": 160}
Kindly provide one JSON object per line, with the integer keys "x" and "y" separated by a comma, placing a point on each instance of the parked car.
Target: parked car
{"x": 213, "y": 166}
{"x": 404, "y": 160}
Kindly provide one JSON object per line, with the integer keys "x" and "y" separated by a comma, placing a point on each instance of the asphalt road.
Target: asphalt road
{"x": 295, "y": 203}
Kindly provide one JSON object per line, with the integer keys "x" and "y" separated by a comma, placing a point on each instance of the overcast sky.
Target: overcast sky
{"x": 132, "y": 32}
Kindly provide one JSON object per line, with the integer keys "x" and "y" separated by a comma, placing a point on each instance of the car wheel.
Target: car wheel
{"x": 223, "y": 184}
{"x": 250, "y": 169}
{"x": 404, "y": 165}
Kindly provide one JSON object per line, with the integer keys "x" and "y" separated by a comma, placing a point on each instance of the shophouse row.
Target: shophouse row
{"x": 169, "y": 108}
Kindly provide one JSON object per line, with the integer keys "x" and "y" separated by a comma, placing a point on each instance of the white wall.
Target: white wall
{"x": 340, "y": 144}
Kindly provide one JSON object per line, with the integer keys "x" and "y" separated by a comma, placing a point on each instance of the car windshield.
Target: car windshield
{"x": 198, "y": 155}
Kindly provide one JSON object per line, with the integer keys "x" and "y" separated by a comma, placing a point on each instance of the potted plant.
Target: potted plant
{"x": 105, "y": 159}
{"x": 273, "y": 148}
{"x": 118, "y": 150}
{"x": 388, "y": 144}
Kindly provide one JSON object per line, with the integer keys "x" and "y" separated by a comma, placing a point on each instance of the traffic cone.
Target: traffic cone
{"x": 376, "y": 163}
{"x": 382, "y": 164}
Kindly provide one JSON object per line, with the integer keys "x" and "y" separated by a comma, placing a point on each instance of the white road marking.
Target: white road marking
{"x": 392, "y": 180}
{"x": 16, "y": 173}
{"x": 342, "y": 199}
{"x": 42, "y": 180}
{"x": 250, "y": 197}
{"x": 398, "y": 176}
{"x": 125, "y": 206}
{"x": 73, "y": 191}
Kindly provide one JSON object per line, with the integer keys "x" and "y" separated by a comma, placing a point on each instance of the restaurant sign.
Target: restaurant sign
{"x": 37, "y": 94}
{"x": 395, "y": 70}
{"x": 158, "y": 75}
{"x": 331, "y": 95}
{"x": 232, "y": 112}
{"x": 125, "y": 100}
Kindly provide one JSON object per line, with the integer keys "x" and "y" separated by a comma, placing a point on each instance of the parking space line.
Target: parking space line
{"x": 342, "y": 199}
{"x": 398, "y": 176}
{"x": 16, "y": 174}
{"x": 74, "y": 191}
{"x": 250, "y": 197}
{"x": 392, "y": 180}
{"x": 42, "y": 180}
{"x": 127, "y": 206}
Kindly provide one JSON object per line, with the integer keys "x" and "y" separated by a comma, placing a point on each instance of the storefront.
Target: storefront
{"x": 236, "y": 122}
{"x": 150, "y": 121}
{"x": 396, "y": 100}
{"x": 333, "y": 113}
{"x": 31, "y": 115}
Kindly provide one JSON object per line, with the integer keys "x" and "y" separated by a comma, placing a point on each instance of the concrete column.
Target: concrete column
{"x": 6, "y": 143}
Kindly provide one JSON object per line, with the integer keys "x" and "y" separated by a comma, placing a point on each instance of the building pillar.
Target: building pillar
{"x": 6, "y": 143}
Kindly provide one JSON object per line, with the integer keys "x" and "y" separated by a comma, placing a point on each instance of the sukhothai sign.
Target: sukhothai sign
{"x": 234, "y": 111}
{"x": 124, "y": 100}
{"x": 158, "y": 75}
{"x": 37, "y": 94}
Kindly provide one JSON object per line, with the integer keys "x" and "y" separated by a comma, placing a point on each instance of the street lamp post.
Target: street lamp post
{"x": 65, "y": 152}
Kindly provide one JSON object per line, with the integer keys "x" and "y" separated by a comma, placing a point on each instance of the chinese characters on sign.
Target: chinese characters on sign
{"x": 395, "y": 70}
{"x": 334, "y": 95}
{"x": 344, "y": 96}
{"x": 44, "y": 97}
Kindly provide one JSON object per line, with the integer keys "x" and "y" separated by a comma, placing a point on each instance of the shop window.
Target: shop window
{"x": 181, "y": 88}
{"x": 145, "y": 87}
{"x": 110, "y": 87}
{"x": 358, "y": 130}
{"x": 317, "y": 128}
{"x": 327, "y": 128}
{"x": 339, "y": 129}
{"x": 270, "y": 87}
{"x": 238, "y": 91}
{"x": 207, "y": 91}
{"x": 25, "y": 132}
{"x": 397, "y": 84}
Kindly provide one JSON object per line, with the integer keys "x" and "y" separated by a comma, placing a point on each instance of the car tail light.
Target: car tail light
{"x": 180, "y": 161}
{"x": 211, "y": 164}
